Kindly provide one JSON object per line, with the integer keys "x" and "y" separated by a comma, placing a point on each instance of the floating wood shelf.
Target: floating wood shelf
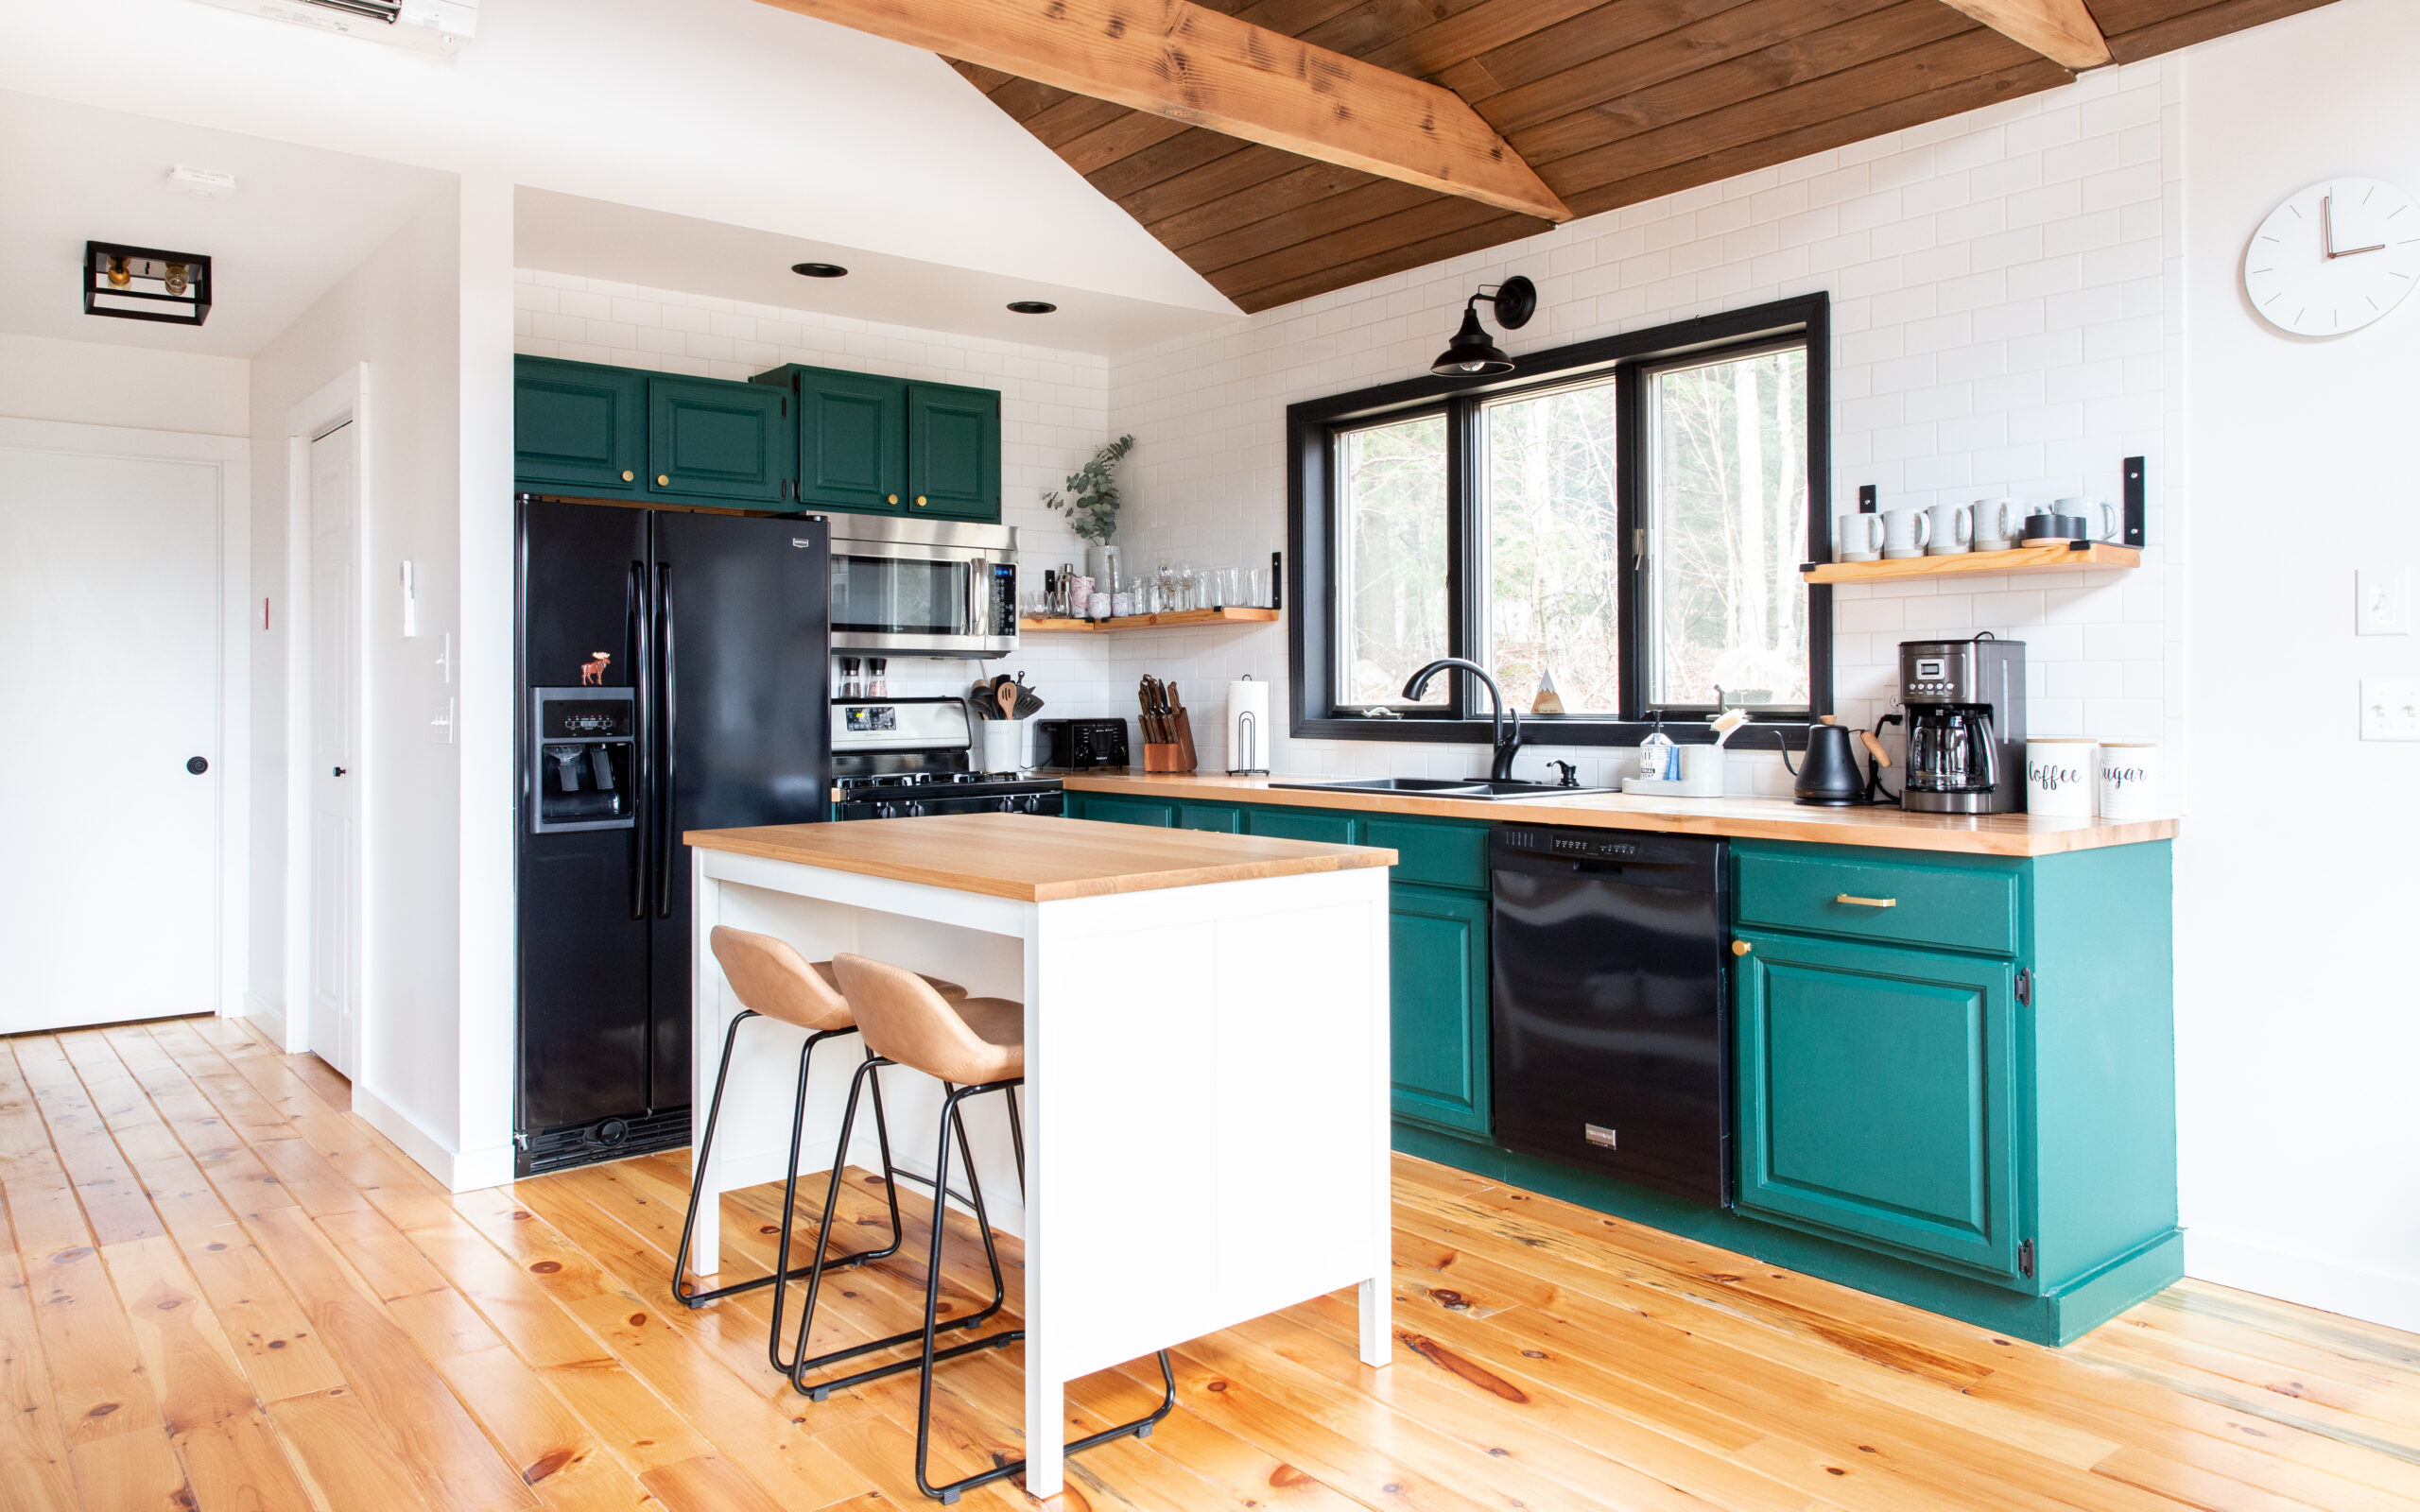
{"x": 2057, "y": 557}
{"x": 1151, "y": 622}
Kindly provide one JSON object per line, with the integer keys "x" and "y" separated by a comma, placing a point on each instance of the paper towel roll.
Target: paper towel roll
{"x": 1247, "y": 727}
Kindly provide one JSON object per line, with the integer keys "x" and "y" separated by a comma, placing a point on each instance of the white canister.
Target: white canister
{"x": 2129, "y": 779}
{"x": 2060, "y": 774}
{"x": 1003, "y": 743}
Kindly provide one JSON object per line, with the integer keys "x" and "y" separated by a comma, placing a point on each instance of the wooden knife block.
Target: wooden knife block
{"x": 1172, "y": 756}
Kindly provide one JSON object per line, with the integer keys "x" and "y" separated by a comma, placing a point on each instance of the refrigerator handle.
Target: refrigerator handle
{"x": 634, "y": 640}
{"x": 671, "y": 725}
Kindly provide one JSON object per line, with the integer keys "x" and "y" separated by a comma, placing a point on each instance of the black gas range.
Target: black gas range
{"x": 910, "y": 757}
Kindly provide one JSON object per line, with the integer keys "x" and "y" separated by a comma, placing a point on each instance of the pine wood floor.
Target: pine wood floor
{"x": 220, "y": 1292}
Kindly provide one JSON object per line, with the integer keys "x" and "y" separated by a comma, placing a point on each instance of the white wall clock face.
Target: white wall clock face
{"x": 2335, "y": 257}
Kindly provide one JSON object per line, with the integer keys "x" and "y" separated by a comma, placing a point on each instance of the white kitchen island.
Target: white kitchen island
{"x": 1206, "y": 1062}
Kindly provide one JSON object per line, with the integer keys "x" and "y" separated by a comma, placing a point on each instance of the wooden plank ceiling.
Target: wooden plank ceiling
{"x": 1610, "y": 102}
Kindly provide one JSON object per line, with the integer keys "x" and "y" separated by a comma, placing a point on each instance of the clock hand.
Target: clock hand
{"x": 2327, "y": 219}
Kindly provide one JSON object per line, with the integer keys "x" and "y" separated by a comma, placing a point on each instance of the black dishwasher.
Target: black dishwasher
{"x": 1613, "y": 1023}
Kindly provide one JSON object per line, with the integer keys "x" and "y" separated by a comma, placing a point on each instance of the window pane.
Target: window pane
{"x": 1727, "y": 508}
{"x": 1390, "y": 558}
{"x": 1554, "y": 558}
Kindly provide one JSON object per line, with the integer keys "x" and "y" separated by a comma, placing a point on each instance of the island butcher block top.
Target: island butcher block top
{"x": 1743, "y": 819}
{"x": 1035, "y": 859}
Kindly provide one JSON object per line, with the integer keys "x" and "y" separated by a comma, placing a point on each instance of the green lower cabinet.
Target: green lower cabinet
{"x": 1127, "y": 810}
{"x": 1304, "y": 824}
{"x": 1877, "y": 1095}
{"x": 1222, "y": 818}
{"x": 1437, "y": 965}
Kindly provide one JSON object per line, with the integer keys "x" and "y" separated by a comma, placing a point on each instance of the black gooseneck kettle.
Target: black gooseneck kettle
{"x": 1828, "y": 778}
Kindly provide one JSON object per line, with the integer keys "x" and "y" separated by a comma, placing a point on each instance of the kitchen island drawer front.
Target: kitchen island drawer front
{"x": 1437, "y": 852}
{"x": 1972, "y": 908}
{"x": 1125, "y": 810}
{"x": 1221, "y": 818}
{"x": 1438, "y": 957}
{"x": 1304, "y": 824}
{"x": 1877, "y": 1090}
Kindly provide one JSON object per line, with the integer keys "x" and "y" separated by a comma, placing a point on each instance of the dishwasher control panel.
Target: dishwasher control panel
{"x": 1579, "y": 843}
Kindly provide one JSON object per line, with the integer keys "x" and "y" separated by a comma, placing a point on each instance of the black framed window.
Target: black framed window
{"x": 1629, "y": 514}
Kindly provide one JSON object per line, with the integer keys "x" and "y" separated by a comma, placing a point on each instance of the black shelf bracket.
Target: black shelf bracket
{"x": 2133, "y": 535}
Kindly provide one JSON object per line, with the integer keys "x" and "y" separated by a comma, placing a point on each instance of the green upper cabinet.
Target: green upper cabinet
{"x": 953, "y": 452}
{"x": 1877, "y": 1090}
{"x": 852, "y": 441}
{"x": 579, "y": 425}
{"x": 711, "y": 438}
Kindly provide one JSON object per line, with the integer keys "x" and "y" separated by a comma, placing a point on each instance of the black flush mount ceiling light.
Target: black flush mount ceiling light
{"x": 1032, "y": 306}
{"x": 1516, "y": 300}
{"x": 819, "y": 271}
{"x": 145, "y": 283}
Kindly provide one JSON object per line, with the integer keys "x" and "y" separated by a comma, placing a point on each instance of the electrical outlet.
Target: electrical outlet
{"x": 440, "y": 729}
{"x": 2391, "y": 711}
{"x": 2382, "y": 601}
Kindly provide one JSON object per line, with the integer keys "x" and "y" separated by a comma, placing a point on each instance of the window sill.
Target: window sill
{"x": 1552, "y": 730}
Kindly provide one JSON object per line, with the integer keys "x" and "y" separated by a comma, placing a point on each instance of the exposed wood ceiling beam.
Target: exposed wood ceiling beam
{"x": 1190, "y": 63}
{"x": 2061, "y": 30}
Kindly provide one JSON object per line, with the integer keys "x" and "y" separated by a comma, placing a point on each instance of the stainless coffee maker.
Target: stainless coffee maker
{"x": 1965, "y": 702}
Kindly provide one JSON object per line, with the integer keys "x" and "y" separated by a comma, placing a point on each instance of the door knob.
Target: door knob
{"x": 336, "y": 771}
{"x": 197, "y": 765}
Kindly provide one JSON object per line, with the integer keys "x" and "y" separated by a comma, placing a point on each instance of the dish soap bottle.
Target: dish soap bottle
{"x": 1659, "y": 759}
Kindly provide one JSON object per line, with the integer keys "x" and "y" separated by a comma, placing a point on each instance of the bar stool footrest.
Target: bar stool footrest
{"x": 1139, "y": 1428}
{"x": 823, "y": 1389}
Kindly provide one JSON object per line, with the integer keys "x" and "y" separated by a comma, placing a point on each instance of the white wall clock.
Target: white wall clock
{"x": 2334, "y": 257}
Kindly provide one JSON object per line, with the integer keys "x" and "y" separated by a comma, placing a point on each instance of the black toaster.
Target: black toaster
{"x": 1079, "y": 745}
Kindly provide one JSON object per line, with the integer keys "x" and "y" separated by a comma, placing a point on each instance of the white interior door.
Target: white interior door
{"x": 336, "y": 809}
{"x": 110, "y": 676}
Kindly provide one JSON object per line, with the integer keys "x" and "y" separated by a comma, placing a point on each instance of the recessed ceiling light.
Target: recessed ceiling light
{"x": 819, "y": 271}
{"x": 1032, "y": 306}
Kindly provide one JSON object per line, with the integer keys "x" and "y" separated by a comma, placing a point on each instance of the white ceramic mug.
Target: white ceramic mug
{"x": 2100, "y": 520}
{"x": 2129, "y": 779}
{"x": 1857, "y": 536}
{"x": 2060, "y": 772}
{"x": 1996, "y": 523}
{"x": 1952, "y": 531}
{"x": 1905, "y": 533}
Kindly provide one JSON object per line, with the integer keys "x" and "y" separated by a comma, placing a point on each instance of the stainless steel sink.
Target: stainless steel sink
{"x": 1470, "y": 787}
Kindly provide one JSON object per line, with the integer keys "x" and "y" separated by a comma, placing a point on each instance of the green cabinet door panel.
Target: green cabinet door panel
{"x": 1959, "y": 902}
{"x": 579, "y": 425}
{"x": 710, "y": 438}
{"x": 852, "y": 441}
{"x": 953, "y": 452}
{"x": 1877, "y": 1095}
{"x": 1223, "y": 818}
{"x": 1129, "y": 811}
{"x": 1437, "y": 955}
{"x": 1302, "y": 824}
{"x": 1439, "y": 853}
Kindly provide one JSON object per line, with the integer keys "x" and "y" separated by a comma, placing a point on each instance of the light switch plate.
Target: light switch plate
{"x": 2390, "y": 711}
{"x": 2382, "y": 601}
{"x": 440, "y": 729}
{"x": 445, "y": 658}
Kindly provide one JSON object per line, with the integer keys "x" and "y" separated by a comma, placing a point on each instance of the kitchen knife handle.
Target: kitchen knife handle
{"x": 634, "y": 639}
{"x": 671, "y": 743}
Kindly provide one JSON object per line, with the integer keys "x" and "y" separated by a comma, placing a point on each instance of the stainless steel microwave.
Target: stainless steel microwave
{"x": 923, "y": 587}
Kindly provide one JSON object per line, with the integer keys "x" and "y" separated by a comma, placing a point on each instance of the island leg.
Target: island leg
{"x": 705, "y": 1032}
{"x": 1046, "y": 1416}
{"x": 1377, "y": 1292}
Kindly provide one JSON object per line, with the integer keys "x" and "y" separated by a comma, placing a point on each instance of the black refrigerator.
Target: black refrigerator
{"x": 674, "y": 675}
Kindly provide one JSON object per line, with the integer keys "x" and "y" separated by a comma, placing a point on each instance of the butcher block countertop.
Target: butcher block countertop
{"x": 1035, "y": 859}
{"x": 1745, "y": 819}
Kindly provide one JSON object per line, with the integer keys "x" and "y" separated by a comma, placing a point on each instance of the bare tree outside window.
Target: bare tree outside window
{"x": 1554, "y": 548}
{"x": 1726, "y": 512}
{"x": 1391, "y": 559}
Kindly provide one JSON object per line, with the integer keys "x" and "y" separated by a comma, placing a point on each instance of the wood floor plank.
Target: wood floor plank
{"x": 560, "y": 1459}
{"x": 113, "y": 1202}
{"x": 348, "y": 1461}
{"x": 33, "y": 1439}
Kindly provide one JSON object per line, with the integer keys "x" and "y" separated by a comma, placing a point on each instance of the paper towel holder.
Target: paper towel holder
{"x": 1244, "y": 742}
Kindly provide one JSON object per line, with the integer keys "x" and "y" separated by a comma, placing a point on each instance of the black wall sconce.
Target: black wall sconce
{"x": 145, "y": 283}
{"x": 1516, "y": 300}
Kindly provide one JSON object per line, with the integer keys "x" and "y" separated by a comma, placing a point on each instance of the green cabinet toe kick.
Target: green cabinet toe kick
{"x": 1962, "y": 1099}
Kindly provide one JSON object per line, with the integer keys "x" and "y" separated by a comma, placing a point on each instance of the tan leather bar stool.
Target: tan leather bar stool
{"x": 970, "y": 1047}
{"x": 771, "y": 980}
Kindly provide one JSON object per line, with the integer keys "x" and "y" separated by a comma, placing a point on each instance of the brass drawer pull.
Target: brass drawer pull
{"x": 1867, "y": 903}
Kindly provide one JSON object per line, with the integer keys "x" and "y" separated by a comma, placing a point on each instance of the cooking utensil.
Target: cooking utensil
{"x": 1028, "y": 701}
{"x": 1006, "y": 698}
{"x": 981, "y": 702}
{"x": 1829, "y": 778}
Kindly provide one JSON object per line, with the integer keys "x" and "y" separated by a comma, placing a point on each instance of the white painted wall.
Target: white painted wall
{"x": 2295, "y": 1013}
{"x": 429, "y": 313}
{"x": 2003, "y": 320}
{"x": 140, "y": 387}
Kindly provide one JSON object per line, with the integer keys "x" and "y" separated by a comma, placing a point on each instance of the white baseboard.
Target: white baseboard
{"x": 461, "y": 1170}
{"x": 270, "y": 1018}
{"x": 2391, "y": 1300}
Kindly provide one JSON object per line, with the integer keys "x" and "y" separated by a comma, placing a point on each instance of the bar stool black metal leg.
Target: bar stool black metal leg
{"x": 800, "y": 1364}
{"x": 687, "y": 1294}
{"x": 1016, "y": 1138}
{"x": 1139, "y": 1428}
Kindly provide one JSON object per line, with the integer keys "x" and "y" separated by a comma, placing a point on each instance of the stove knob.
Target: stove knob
{"x": 916, "y": 810}
{"x": 1033, "y": 802}
{"x": 1005, "y": 803}
{"x": 886, "y": 810}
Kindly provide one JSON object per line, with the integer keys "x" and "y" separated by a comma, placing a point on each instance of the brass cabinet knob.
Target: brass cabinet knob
{"x": 891, "y": 498}
{"x": 664, "y": 480}
{"x": 1740, "y": 947}
{"x": 629, "y": 477}
{"x": 920, "y": 501}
